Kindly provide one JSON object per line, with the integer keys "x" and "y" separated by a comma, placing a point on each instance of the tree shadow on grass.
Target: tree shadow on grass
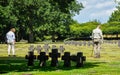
{"x": 19, "y": 64}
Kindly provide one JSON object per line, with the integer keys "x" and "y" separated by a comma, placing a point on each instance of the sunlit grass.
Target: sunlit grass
{"x": 108, "y": 64}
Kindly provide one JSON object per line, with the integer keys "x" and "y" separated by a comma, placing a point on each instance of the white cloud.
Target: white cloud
{"x": 103, "y": 13}
{"x": 104, "y": 4}
{"x": 117, "y": 0}
{"x": 96, "y": 9}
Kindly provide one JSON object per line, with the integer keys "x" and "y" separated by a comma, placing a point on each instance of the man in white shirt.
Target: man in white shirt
{"x": 11, "y": 41}
{"x": 97, "y": 37}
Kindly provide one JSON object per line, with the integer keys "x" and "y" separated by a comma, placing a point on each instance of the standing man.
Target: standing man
{"x": 97, "y": 37}
{"x": 11, "y": 41}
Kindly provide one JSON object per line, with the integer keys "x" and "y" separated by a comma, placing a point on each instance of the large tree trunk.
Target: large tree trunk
{"x": 53, "y": 38}
{"x": 31, "y": 34}
{"x": 31, "y": 37}
{"x": 117, "y": 36}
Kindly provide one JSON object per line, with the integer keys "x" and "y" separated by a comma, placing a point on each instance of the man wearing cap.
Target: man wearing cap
{"x": 97, "y": 37}
{"x": 11, "y": 41}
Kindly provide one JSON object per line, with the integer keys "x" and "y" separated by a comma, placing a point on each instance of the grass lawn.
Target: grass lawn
{"x": 108, "y": 64}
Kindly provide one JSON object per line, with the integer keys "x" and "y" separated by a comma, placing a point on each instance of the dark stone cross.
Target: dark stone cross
{"x": 30, "y": 58}
{"x": 67, "y": 58}
{"x": 43, "y": 58}
{"x": 79, "y": 59}
{"x": 30, "y": 55}
{"x": 54, "y": 57}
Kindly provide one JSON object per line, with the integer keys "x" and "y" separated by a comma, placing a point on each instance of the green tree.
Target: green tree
{"x": 83, "y": 29}
{"x": 35, "y": 19}
{"x": 114, "y": 21}
{"x": 7, "y": 19}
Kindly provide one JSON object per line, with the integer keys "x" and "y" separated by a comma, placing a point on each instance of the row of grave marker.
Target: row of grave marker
{"x": 78, "y": 43}
{"x": 89, "y": 43}
{"x": 54, "y": 55}
{"x": 45, "y": 48}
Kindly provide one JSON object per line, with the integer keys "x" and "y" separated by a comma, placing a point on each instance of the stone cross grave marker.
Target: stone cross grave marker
{"x": 61, "y": 49}
{"x": 54, "y": 57}
{"x": 84, "y": 43}
{"x": 67, "y": 59}
{"x": 119, "y": 43}
{"x": 46, "y": 47}
{"x": 31, "y": 48}
{"x": 79, "y": 59}
{"x": 38, "y": 48}
{"x": 54, "y": 46}
{"x": 42, "y": 59}
{"x": 30, "y": 58}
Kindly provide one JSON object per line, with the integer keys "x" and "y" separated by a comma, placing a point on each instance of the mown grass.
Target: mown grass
{"x": 108, "y": 64}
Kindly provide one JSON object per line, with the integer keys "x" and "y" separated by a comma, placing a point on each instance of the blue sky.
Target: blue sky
{"x": 95, "y": 9}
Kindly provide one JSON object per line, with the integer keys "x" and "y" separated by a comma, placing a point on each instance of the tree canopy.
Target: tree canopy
{"x": 38, "y": 20}
{"x": 35, "y": 19}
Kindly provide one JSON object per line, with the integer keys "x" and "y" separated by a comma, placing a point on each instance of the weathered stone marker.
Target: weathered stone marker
{"x": 61, "y": 48}
{"x": 79, "y": 59}
{"x": 38, "y": 48}
{"x": 66, "y": 57}
{"x": 54, "y": 46}
{"x": 54, "y": 57}
{"x": 119, "y": 43}
{"x": 42, "y": 59}
{"x": 89, "y": 43}
{"x": 84, "y": 43}
{"x": 80, "y": 43}
{"x": 30, "y": 56}
{"x": 46, "y": 47}
{"x": 31, "y": 48}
